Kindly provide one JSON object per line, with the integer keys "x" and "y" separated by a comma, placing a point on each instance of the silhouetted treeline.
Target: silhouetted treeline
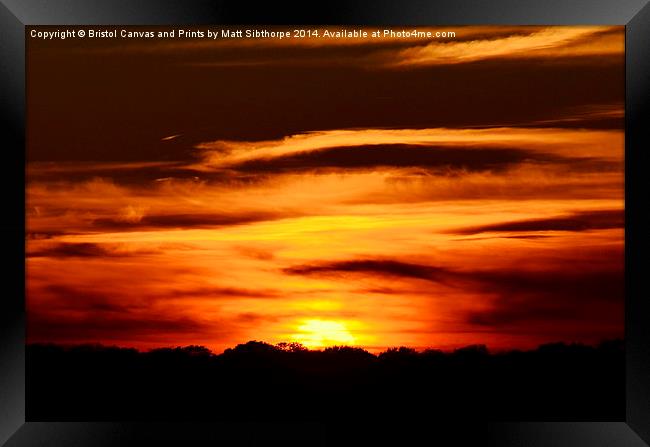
{"x": 286, "y": 382}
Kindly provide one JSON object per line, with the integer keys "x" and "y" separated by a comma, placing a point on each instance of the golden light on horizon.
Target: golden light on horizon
{"x": 317, "y": 333}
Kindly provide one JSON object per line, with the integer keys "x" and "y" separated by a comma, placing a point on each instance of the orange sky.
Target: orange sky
{"x": 185, "y": 215}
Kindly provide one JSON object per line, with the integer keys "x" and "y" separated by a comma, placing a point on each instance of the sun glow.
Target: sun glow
{"x": 317, "y": 333}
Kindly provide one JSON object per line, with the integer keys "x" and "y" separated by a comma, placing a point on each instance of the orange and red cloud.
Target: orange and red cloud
{"x": 404, "y": 207}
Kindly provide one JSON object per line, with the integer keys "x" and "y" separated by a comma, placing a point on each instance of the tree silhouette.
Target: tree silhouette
{"x": 264, "y": 381}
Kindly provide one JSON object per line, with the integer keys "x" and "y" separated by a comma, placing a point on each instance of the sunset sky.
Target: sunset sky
{"x": 375, "y": 193}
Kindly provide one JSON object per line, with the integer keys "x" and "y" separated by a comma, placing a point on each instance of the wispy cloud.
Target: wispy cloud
{"x": 85, "y": 250}
{"x": 388, "y": 267}
{"x": 579, "y": 221}
{"x": 390, "y": 51}
{"x": 549, "y": 43}
{"x": 189, "y": 220}
{"x": 595, "y": 143}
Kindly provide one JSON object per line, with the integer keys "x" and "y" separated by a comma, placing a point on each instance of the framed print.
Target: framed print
{"x": 357, "y": 222}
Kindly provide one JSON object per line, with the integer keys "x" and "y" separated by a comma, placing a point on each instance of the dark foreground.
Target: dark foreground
{"x": 257, "y": 381}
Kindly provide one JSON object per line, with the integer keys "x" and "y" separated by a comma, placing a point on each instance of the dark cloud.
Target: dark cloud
{"x": 223, "y": 292}
{"x": 373, "y": 266}
{"x": 578, "y": 221}
{"x": 40, "y": 235}
{"x": 527, "y": 236}
{"x": 554, "y": 297}
{"x": 381, "y": 291}
{"x": 79, "y": 313}
{"x": 84, "y": 250}
{"x": 590, "y": 284}
{"x": 586, "y": 122}
{"x": 432, "y": 158}
{"x": 438, "y": 158}
{"x": 82, "y": 298}
{"x": 86, "y": 299}
{"x": 188, "y": 220}
{"x": 518, "y": 236}
{"x": 120, "y": 173}
{"x": 255, "y": 253}
{"x": 516, "y": 296}
{"x": 252, "y": 318}
{"x": 97, "y": 325}
{"x": 576, "y": 285}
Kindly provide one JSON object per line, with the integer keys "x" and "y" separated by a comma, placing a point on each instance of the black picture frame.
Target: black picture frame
{"x": 17, "y": 15}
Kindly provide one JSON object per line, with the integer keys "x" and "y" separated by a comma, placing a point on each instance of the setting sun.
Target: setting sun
{"x": 321, "y": 333}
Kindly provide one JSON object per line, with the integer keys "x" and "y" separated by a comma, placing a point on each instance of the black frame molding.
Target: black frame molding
{"x": 16, "y": 15}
